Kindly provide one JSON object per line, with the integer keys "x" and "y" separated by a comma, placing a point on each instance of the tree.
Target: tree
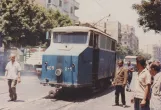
{"x": 149, "y": 15}
{"x": 146, "y": 55}
{"x": 123, "y": 51}
{"x": 23, "y": 19}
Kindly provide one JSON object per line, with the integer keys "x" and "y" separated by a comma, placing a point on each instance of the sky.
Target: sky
{"x": 120, "y": 10}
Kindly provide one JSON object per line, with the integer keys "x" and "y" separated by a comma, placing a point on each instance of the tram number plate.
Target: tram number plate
{"x": 50, "y": 67}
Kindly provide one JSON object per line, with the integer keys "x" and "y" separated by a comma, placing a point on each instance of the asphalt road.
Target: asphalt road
{"x": 31, "y": 93}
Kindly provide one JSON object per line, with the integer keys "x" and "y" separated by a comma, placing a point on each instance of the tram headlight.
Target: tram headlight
{"x": 58, "y": 72}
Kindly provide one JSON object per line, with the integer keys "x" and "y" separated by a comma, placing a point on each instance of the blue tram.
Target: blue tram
{"x": 79, "y": 57}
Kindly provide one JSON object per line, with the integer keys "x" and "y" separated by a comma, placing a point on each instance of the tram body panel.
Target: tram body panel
{"x": 85, "y": 67}
{"x": 67, "y": 61}
{"x": 106, "y": 64}
{"x": 54, "y": 62}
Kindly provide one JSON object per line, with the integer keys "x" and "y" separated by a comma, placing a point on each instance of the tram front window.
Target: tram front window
{"x": 72, "y": 38}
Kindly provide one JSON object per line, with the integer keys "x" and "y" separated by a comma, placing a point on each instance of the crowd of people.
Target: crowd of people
{"x": 147, "y": 90}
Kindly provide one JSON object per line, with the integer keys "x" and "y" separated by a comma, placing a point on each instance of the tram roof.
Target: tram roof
{"x": 78, "y": 29}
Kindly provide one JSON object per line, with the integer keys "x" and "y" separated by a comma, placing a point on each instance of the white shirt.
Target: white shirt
{"x": 155, "y": 101}
{"x": 12, "y": 70}
{"x": 142, "y": 79}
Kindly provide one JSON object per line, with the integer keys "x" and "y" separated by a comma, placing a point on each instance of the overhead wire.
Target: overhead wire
{"x": 104, "y": 10}
{"x": 99, "y": 5}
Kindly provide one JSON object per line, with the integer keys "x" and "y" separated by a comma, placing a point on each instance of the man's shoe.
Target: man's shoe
{"x": 124, "y": 106}
{"x": 15, "y": 98}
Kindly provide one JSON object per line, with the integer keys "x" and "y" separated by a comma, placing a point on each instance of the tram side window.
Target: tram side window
{"x": 113, "y": 46}
{"x": 102, "y": 42}
{"x": 91, "y": 39}
{"x": 95, "y": 45}
{"x": 108, "y": 44}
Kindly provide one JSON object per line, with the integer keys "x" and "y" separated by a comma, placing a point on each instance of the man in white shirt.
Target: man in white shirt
{"x": 155, "y": 101}
{"x": 12, "y": 74}
{"x": 142, "y": 86}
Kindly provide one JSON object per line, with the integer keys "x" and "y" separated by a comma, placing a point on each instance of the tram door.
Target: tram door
{"x": 95, "y": 64}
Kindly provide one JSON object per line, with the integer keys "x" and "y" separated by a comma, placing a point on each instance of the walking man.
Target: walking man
{"x": 142, "y": 86}
{"x": 130, "y": 74}
{"x": 12, "y": 74}
{"x": 120, "y": 83}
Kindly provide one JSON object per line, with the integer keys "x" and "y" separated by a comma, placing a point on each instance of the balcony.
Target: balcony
{"x": 76, "y": 5}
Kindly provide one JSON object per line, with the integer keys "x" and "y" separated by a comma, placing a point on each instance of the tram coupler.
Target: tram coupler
{"x": 58, "y": 88}
{"x": 53, "y": 93}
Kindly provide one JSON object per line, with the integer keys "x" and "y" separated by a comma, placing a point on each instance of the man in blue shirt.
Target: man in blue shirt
{"x": 130, "y": 73}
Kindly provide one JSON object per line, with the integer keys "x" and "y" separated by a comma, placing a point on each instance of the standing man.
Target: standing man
{"x": 12, "y": 74}
{"x": 142, "y": 86}
{"x": 120, "y": 81}
{"x": 130, "y": 74}
{"x": 155, "y": 101}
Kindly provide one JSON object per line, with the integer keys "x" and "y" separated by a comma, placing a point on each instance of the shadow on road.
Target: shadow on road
{"x": 80, "y": 95}
{"x": 127, "y": 106}
{"x": 19, "y": 101}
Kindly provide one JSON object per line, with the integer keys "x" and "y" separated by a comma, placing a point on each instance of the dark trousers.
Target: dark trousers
{"x": 120, "y": 89}
{"x": 137, "y": 105}
{"x": 129, "y": 82}
{"x": 12, "y": 89}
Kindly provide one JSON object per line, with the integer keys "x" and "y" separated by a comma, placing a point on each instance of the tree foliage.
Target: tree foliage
{"x": 146, "y": 55}
{"x": 22, "y": 18}
{"x": 123, "y": 51}
{"x": 149, "y": 15}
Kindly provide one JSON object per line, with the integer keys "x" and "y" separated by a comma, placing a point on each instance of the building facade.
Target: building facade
{"x": 66, "y": 7}
{"x": 114, "y": 29}
{"x": 154, "y": 50}
{"x": 129, "y": 39}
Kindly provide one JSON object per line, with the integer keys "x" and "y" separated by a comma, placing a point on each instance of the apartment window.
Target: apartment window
{"x": 125, "y": 42}
{"x": 49, "y": 1}
{"x": 60, "y": 3}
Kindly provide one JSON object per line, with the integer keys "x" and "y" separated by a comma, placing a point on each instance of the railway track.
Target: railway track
{"x": 60, "y": 103}
{"x": 3, "y": 93}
